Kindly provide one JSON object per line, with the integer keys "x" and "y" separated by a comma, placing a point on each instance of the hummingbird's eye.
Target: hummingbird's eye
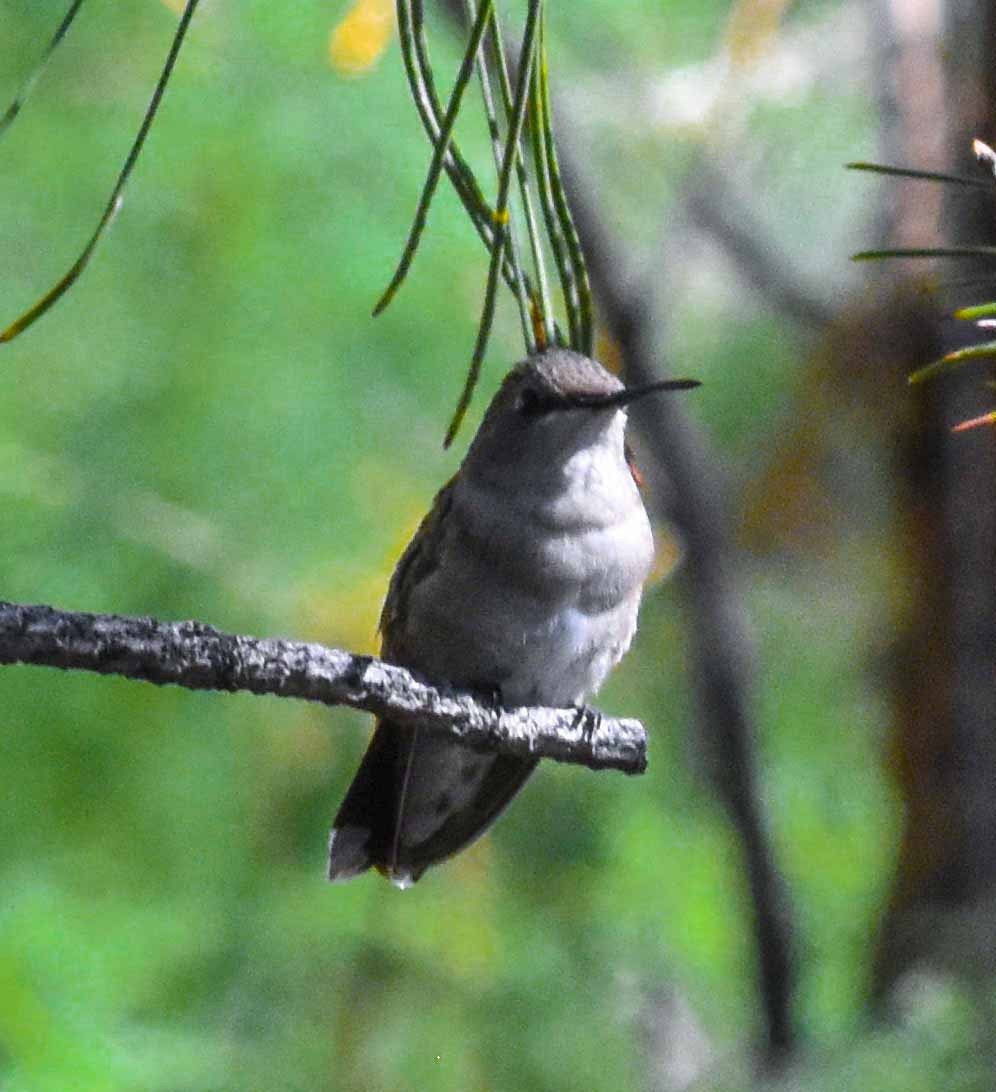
{"x": 532, "y": 403}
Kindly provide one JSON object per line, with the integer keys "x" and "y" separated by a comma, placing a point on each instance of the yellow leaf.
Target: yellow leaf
{"x": 361, "y": 36}
{"x": 751, "y": 26}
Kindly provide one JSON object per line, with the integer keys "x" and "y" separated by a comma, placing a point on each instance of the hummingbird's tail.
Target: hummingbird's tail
{"x": 417, "y": 799}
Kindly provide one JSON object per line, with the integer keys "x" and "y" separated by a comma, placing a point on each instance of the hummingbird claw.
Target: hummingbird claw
{"x": 489, "y": 694}
{"x": 588, "y": 720}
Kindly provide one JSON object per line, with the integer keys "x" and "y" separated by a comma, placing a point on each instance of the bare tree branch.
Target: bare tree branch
{"x": 199, "y": 657}
{"x": 717, "y": 210}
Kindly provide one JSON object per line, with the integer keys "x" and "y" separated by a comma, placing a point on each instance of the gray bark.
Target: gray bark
{"x": 199, "y": 657}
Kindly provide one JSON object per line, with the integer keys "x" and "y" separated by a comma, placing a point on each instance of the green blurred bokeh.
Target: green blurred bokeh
{"x": 210, "y": 425}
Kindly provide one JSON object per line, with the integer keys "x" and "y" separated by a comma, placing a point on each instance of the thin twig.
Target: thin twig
{"x": 199, "y": 657}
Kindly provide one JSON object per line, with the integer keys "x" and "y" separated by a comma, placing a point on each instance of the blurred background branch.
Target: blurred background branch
{"x": 688, "y": 489}
{"x": 716, "y": 209}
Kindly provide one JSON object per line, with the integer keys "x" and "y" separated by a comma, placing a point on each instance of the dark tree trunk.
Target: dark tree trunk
{"x": 943, "y": 750}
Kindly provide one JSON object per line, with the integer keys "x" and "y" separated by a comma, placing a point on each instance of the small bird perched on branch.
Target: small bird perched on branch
{"x": 524, "y": 581}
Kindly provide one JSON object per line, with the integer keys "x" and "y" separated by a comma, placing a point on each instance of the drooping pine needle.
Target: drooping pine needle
{"x": 585, "y": 315}
{"x": 419, "y": 71}
{"x": 976, "y": 422}
{"x": 979, "y": 311}
{"x": 429, "y": 110}
{"x": 439, "y": 155}
{"x": 987, "y": 252}
{"x": 29, "y": 84}
{"x": 541, "y": 159}
{"x": 921, "y": 176}
{"x": 114, "y": 203}
{"x": 527, "y": 56}
{"x": 952, "y": 360}
{"x": 513, "y": 243}
{"x": 541, "y": 308}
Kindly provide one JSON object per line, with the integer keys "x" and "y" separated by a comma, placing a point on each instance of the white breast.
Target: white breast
{"x": 566, "y": 662}
{"x": 537, "y": 595}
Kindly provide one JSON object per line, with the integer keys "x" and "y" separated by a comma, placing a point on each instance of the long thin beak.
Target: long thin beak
{"x": 630, "y": 394}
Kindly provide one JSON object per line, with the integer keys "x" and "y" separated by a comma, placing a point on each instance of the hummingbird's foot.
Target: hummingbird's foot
{"x": 588, "y": 720}
{"x": 489, "y": 694}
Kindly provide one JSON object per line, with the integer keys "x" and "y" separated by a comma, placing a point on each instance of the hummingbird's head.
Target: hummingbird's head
{"x": 552, "y": 405}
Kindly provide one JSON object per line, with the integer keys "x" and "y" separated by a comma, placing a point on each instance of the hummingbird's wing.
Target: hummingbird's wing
{"x": 418, "y": 798}
{"x": 420, "y": 559}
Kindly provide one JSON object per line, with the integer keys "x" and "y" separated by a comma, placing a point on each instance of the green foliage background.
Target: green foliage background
{"x": 211, "y": 426}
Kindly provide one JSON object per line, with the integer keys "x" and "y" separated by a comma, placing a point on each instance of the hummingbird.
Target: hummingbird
{"x": 522, "y": 581}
